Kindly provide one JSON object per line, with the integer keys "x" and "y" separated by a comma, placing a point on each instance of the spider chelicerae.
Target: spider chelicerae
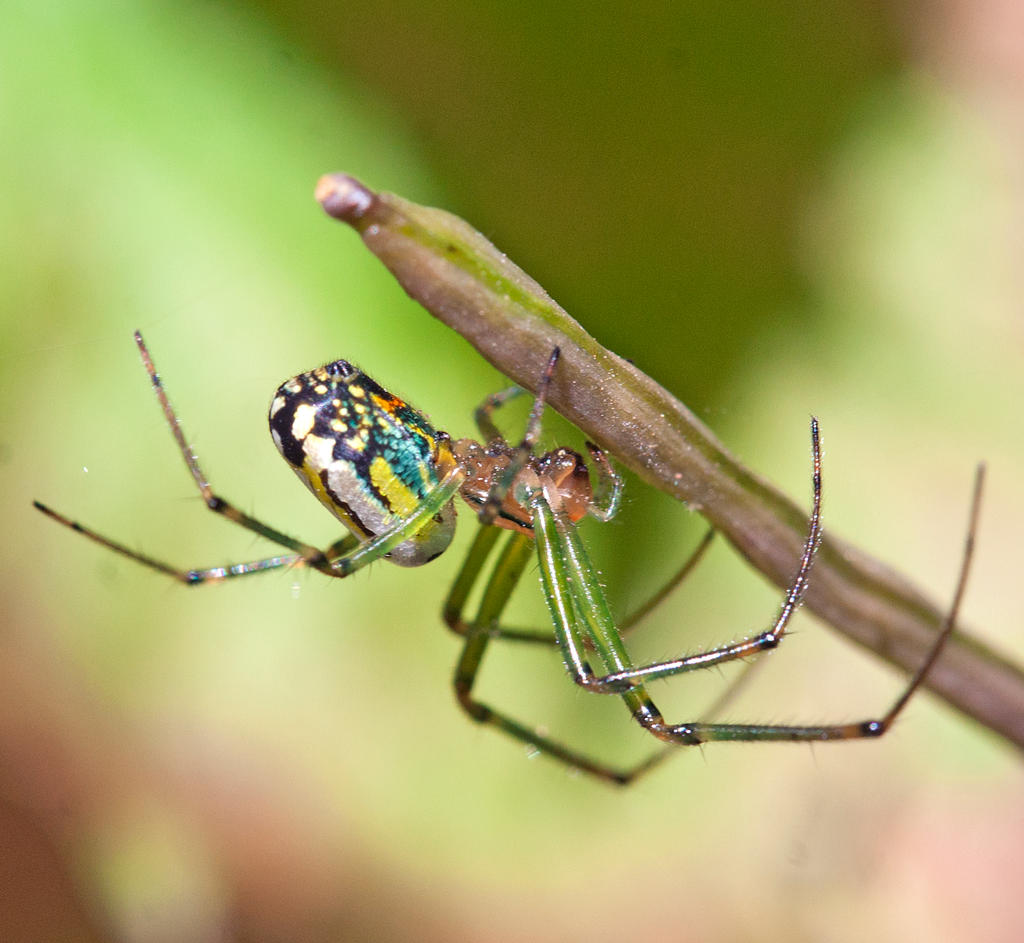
{"x": 390, "y": 478}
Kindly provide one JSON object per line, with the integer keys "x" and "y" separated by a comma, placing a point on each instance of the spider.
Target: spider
{"x": 390, "y": 478}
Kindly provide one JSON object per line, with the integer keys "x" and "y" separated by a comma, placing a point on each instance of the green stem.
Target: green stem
{"x": 461, "y": 278}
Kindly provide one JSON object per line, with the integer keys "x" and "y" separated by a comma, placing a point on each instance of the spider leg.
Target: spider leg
{"x": 578, "y": 606}
{"x": 302, "y": 553}
{"x": 583, "y": 621}
{"x": 484, "y": 414}
{"x": 524, "y": 450}
{"x": 574, "y": 596}
{"x": 311, "y": 555}
{"x": 453, "y": 612}
{"x": 478, "y": 634}
{"x": 575, "y": 600}
{"x": 695, "y": 733}
{"x": 626, "y": 625}
{"x": 703, "y": 732}
{"x": 580, "y": 612}
{"x": 485, "y": 628}
{"x": 188, "y": 577}
{"x": 608, "y": 489}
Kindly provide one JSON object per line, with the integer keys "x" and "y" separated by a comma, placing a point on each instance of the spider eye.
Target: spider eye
{"x": 341, "y": 368}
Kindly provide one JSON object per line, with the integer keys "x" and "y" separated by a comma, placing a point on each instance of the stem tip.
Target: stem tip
{"x": 343, "y": 197}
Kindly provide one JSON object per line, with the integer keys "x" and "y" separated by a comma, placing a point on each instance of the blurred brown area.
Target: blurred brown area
{"x": 38, "y": 899}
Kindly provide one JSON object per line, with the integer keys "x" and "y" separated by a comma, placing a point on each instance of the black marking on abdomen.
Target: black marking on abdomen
{"x": 356, "y": 523}
{"x": 282, "y": 423}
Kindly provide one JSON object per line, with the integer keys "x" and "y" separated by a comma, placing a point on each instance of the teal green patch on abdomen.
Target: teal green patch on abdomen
{"x": 367, "y": 455}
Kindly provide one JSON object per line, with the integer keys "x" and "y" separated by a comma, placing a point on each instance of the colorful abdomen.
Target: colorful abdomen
{"x": 368, "y": 456}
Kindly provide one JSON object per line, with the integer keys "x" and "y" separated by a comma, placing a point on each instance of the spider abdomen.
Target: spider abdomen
{"x": 368, "y": 456}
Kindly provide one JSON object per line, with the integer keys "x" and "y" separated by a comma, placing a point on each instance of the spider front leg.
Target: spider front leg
{"x": 566, "y": 564}
{"x": 579, "y": 611}
{"x": 524, "y": 450}
{"x": 695, "y": 733}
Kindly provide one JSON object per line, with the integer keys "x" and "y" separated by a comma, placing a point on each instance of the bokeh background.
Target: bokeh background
{"x": 774, "y": 209}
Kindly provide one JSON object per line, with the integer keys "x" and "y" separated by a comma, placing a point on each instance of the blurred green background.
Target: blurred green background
{"x": 772, "y": 209}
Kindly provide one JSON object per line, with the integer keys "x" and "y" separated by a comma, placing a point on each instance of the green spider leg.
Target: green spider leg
{"x": 340, "y": 559}
{"x": 511, "y": 562}
{"x": 578, "y": 608}
{"x": 455, "y": 604}
{"x": 582, "y": 621}
{"x": 486, "y": 627}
